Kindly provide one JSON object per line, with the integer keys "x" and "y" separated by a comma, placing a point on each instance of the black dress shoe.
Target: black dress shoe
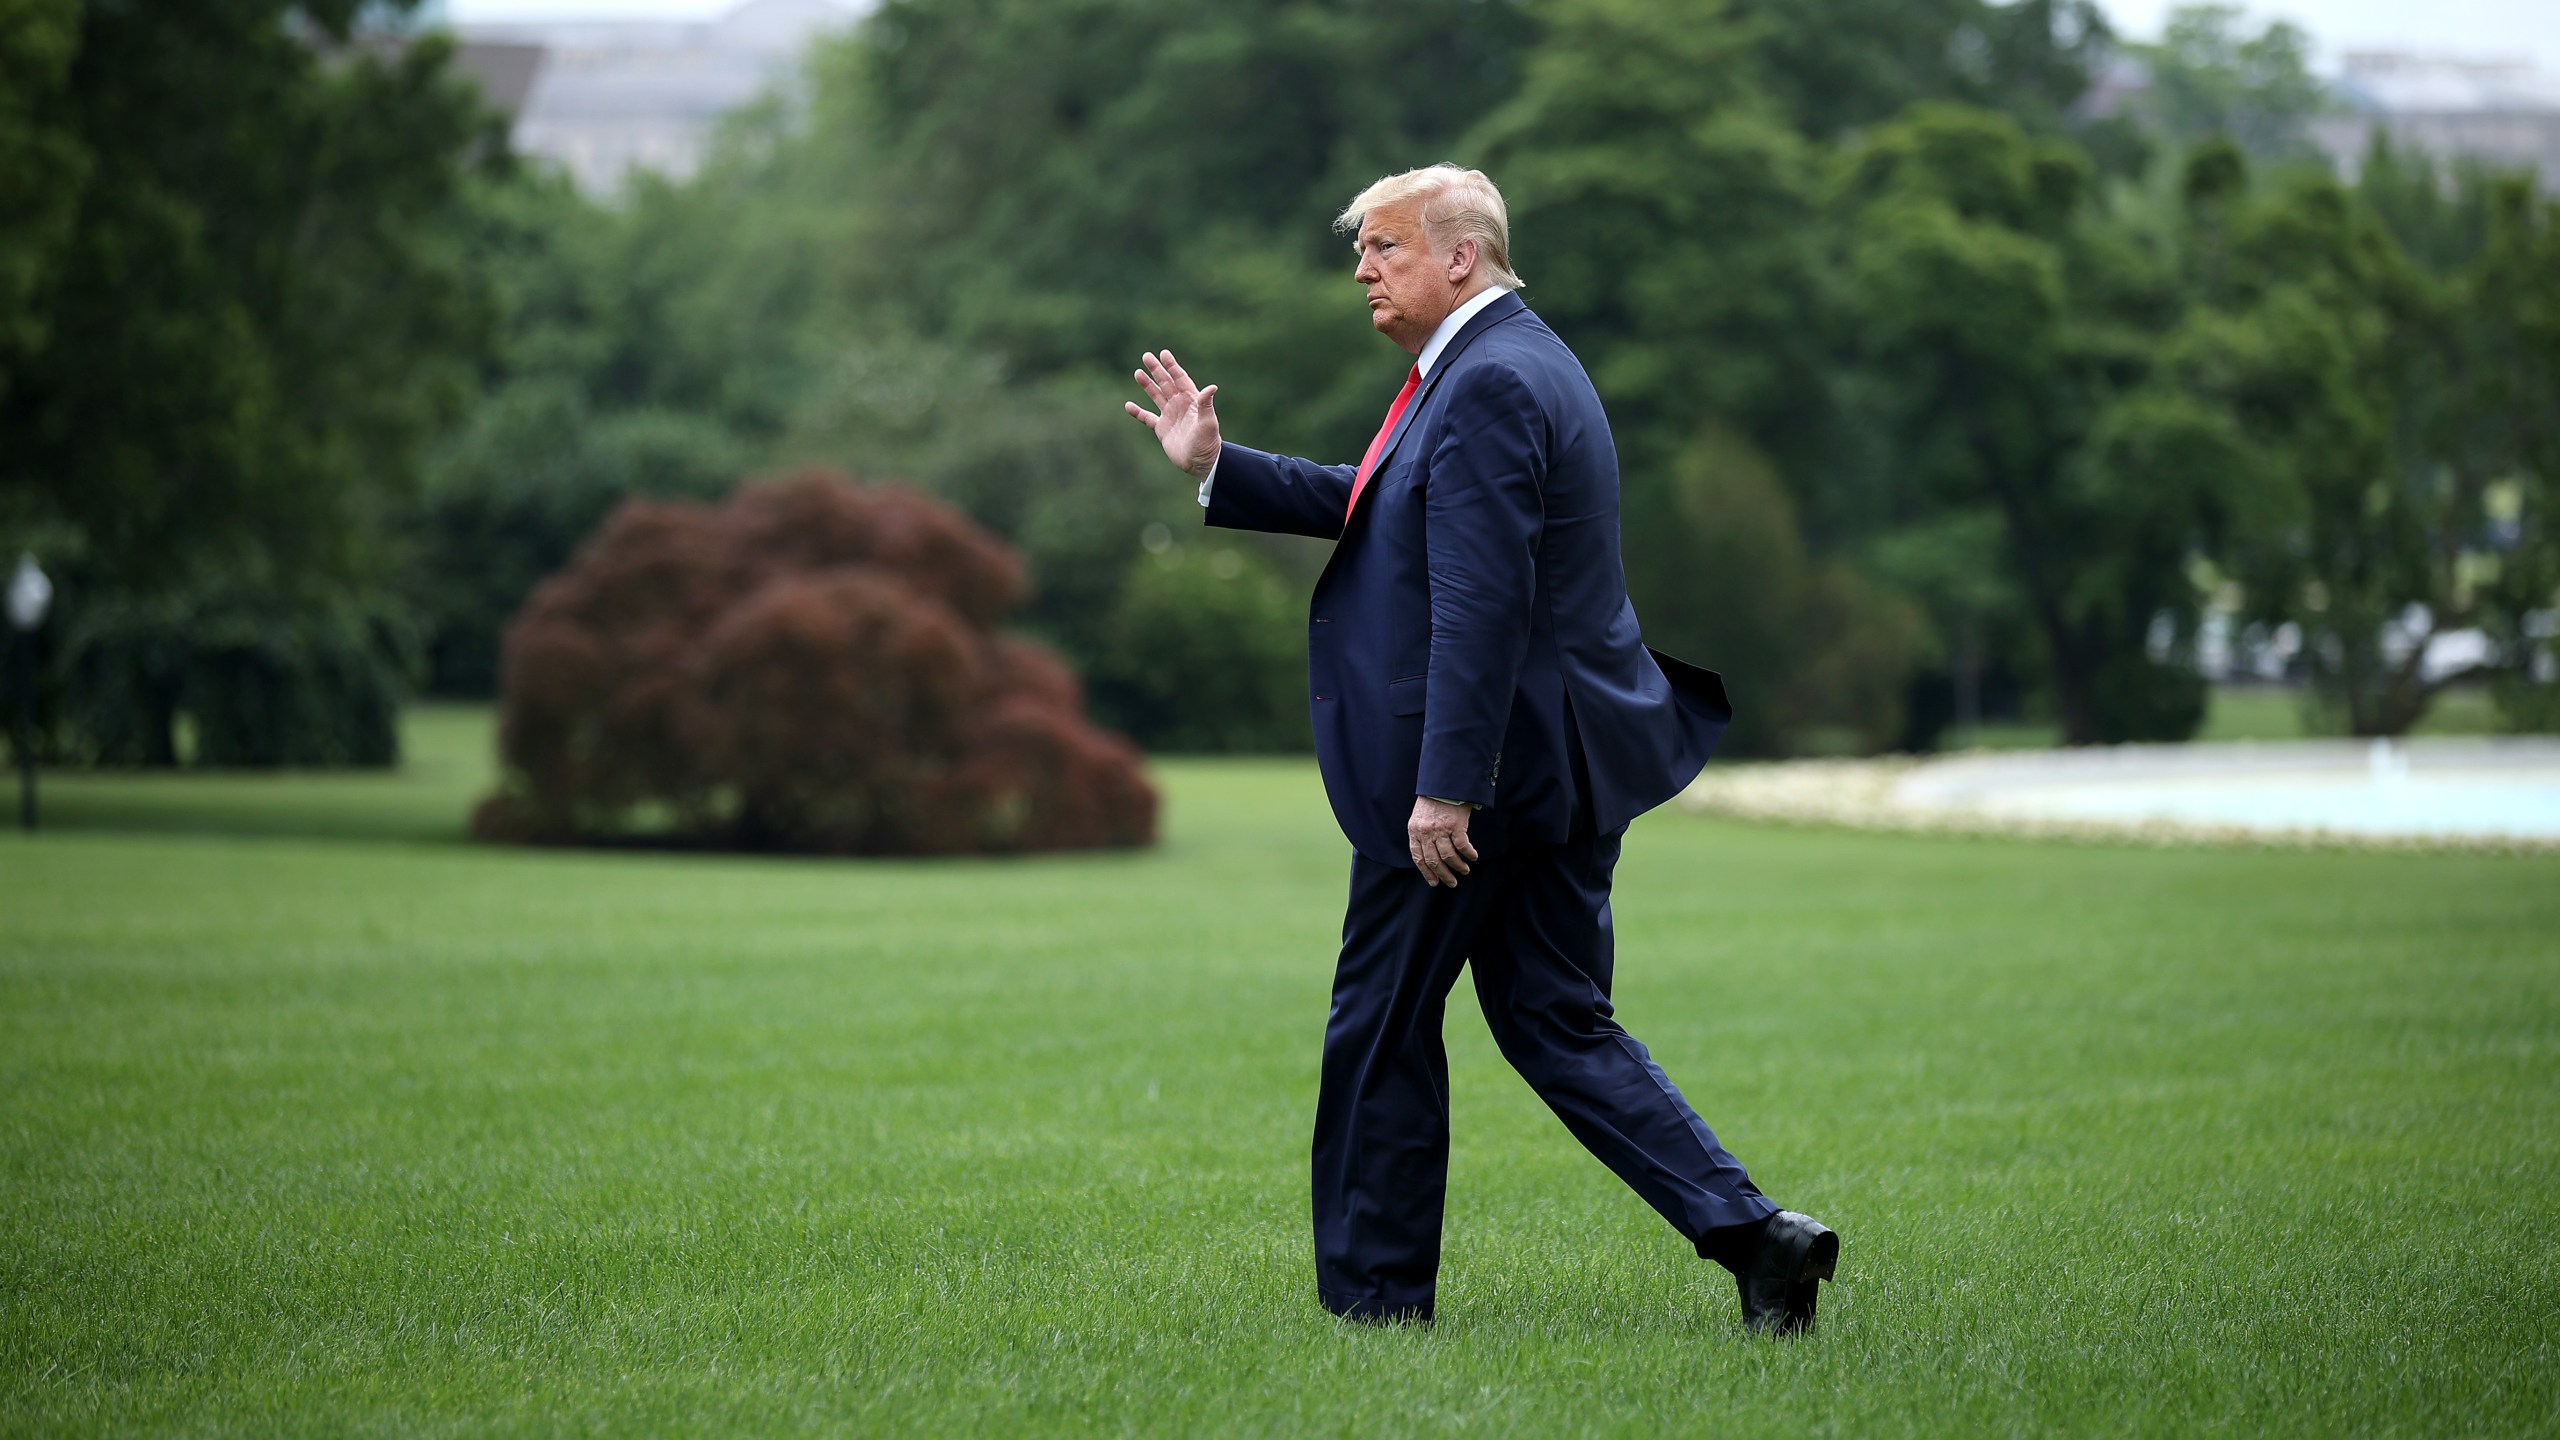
{"x": 1781, "y": 1280}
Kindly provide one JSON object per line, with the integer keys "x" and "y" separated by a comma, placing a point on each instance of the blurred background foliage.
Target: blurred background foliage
{"x": 1938, "y": 397}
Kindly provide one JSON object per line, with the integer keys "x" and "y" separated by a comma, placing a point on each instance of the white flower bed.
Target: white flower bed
{"x": 2497, "y": 795}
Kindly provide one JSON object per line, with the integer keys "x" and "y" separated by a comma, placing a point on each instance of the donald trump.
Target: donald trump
{"x": 1488, "y": 721}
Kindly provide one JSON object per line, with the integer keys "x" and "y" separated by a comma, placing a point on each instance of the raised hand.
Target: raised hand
{"x": 1186, "y": 416}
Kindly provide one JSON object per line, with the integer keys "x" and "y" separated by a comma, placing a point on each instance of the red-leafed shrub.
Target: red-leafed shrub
{"x": 813, "y": 665}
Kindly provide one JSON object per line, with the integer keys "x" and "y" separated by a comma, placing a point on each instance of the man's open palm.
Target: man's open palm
{"x": 1186, "y": 416}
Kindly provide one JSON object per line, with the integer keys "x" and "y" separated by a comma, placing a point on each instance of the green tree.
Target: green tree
{"x": 2211, "y": 80}
{"x": 510, "y": 497}
{"x": 1059, "y": 184}
{"x": 1203, "y": 653}
{"x": 950, "y": 256}
{"x": 2010, "y": 328}
{"x": 1662, "y": 212}
{"x": 1058, "y": 162}
{"x": 1817, "y": 655}
{"x": 1668, "y": 218}
{"x": 269, "y": 314}
{"x": 218, "y": 379}
{"x": 1835, "y": 66}
{"x": 42, "y": 167}
{"x": 2394, "y": 414}
{"x": 893, "y": 281}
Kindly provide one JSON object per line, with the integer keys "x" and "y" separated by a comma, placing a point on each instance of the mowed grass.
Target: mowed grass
{"x": 313, "y": 1120}
{"x": 2266, "y": 712}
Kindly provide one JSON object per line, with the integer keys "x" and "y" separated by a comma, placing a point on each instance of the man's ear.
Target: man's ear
{"x": 1462, "y": 262}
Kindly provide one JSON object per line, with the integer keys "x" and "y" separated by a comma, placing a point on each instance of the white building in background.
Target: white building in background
{"x": 2503, "y": 112}
{"x": 613, "y": 96}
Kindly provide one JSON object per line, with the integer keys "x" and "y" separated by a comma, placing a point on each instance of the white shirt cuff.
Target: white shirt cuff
{"x": 1208, "y": 480}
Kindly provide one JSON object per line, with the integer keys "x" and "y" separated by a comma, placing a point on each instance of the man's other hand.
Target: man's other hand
{"x": 1186, "y": 416}
{"x": 1437, "y": 835}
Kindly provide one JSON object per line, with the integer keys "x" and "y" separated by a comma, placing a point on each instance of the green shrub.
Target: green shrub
{"x": 258, "y": 679}
{"x": 514, "y": 494}
{"x": 1817, "y": 656}
{"x": 1204, "y": 652}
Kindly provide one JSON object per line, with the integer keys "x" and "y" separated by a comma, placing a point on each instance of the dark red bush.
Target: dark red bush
{"x": 811, "y": 666}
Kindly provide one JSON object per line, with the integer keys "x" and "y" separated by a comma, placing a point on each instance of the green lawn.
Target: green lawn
{"x": 312, "y": 1120}
{"x": 2267, "y": 712}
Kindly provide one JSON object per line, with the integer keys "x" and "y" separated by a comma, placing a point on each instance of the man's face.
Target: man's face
{"x": 1411, "y": 289}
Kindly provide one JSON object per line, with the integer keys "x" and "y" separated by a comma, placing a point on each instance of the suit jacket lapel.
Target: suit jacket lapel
{"x": 1483, "y": 320}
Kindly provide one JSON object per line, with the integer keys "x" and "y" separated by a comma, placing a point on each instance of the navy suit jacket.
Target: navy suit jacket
{"x": 1472, "y": 631}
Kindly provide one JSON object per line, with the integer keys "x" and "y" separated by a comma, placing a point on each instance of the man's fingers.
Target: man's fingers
{"x": 1436, "y": 856}
{"x": 1465, "y": 847}
{"x": 1449, "y": 857}
{"x": 1166, "y": 381}
{"x": 1140, "y": 413}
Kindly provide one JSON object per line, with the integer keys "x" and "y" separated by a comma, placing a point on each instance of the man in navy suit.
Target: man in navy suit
{"x": 1488, "y": 721}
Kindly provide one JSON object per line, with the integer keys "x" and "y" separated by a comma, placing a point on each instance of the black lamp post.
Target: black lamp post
{"x": 30, "y": 593}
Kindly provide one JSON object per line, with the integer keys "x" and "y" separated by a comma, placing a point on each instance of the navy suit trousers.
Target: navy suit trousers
{"x": 1533, "y": 923}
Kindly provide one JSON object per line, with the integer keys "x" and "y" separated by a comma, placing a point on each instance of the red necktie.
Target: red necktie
{"x": 1368, "y": 462}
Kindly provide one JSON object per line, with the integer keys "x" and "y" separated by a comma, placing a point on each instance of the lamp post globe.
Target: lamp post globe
{"x": 30, "y": 594}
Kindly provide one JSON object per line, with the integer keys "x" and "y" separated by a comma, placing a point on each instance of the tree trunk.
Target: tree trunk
{"x": 2074, "y": 679}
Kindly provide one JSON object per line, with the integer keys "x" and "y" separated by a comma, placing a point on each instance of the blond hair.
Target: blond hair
{"x": 1457, "y": 204}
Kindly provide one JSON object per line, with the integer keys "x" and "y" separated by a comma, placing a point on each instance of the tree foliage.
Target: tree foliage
{"x": 242, "y": 675}
{"x": 1926, "y": 386}
{"x": 43, "y": 167}
{"x": 254, "y": 320}
{"x": 814, "y": 665}
{"x": 513, "y": 495}
{"x": 1710, "y": 343}
{"x": 1201, "y": 653}
{"x": 2016, "y": 331}
{"x": 2389, "y": 398}
{"x": 234, "y": 306}
{"x": 2212, "y": 81}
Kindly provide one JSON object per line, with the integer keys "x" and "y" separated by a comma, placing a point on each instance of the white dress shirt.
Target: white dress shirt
{"x": 1423, "y": 362}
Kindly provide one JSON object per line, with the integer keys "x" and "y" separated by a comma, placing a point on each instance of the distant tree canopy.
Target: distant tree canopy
{"x": 1910, "y": 367}
{"x": 1931, "y": 390}
{"x": 2382, "y": 365}
{"x": 2212, "y": 81}
{"x": 814, "y": 665}
{"x": 990, "y": 206}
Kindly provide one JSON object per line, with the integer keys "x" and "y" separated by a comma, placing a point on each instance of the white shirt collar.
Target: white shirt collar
{"x": 1450, "y": 327}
